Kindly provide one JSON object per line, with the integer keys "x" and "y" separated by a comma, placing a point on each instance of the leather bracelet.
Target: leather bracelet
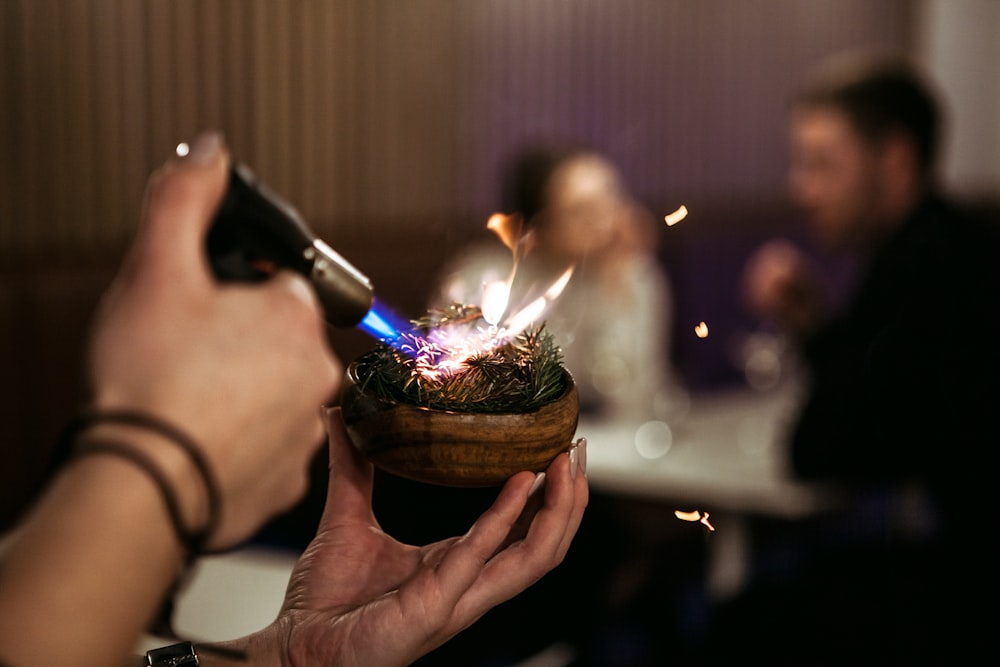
{"x": 194, "y": 541}
{"x": 162, "y": 622}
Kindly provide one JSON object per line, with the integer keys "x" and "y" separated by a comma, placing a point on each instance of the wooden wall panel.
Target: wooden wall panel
{"x": 368, "y": 114}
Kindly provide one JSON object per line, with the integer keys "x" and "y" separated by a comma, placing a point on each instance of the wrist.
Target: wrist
{"x": 152, "y": 445}
{"x": 262, "y": 648}
{"x": 176, "y": 468}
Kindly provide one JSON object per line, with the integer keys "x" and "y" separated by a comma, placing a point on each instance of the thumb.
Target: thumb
{"x": 349, "y": 493}
{"x": 181, "y": 200}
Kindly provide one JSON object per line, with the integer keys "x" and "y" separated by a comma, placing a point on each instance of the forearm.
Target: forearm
{"x": 89, "y": 568}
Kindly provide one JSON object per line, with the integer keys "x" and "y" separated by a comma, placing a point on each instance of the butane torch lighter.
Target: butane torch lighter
{"x": 256, "y": 231}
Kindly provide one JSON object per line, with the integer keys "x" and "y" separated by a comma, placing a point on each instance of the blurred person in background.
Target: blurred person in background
{"x": 613, "y": 320}
{"x": 903, "y": 383}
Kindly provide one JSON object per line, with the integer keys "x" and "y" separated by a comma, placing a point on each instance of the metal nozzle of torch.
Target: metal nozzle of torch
{"x": 255, "y": 232}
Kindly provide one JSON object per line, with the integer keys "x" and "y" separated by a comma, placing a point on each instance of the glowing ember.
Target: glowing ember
{"x": 673, "y": 218}
{"x": 701, "y": 331}
{"x": 444, "y": 350}
{"x": 695, "y": 516}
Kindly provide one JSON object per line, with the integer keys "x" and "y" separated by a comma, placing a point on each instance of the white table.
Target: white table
{"x": 726, "y": 456}
{"x": 728, "y": 453}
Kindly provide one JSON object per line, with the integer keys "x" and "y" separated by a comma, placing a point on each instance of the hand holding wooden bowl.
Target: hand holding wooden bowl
{"x": 461, "y": 449}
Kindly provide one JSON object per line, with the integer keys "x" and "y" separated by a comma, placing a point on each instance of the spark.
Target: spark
{"x": 695, "y": 516}
{"x": 701, "y": 331}
{"x": 673, "y": 218}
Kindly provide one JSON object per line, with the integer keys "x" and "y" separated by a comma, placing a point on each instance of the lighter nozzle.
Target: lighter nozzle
{"x": 345, "y": 293}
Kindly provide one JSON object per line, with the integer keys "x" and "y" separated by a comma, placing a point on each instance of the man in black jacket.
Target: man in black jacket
{"x": 903, "y": 381}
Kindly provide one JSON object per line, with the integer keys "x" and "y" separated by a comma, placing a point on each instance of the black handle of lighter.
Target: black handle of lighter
{"x": 256, "y": 231}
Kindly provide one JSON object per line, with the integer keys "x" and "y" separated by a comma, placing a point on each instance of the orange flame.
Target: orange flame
{"x": 701, "y": 331}
{"x": 496, "y": 295}
{"x": 507, "y": 227}
{"x": 445, "y": 350}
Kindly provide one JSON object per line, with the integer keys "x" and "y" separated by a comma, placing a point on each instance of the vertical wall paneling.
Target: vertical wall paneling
{"x": 10, "y": 82}
{"x": 107, "y": 120}
{"x": 369, "y": 114}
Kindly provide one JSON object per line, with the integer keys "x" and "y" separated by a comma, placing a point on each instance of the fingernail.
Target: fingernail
{"x": 537, "y": 484}
{"x": 574, "y": 459}
{"x": 203, "y": 149}
{"x": 582, "y": 446}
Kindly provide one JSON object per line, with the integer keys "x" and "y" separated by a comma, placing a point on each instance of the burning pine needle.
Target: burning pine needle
{"x": 519, "y": 373}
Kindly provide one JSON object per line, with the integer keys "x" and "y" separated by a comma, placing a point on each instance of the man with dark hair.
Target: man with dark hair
{"x": 879, "y": 96}
{"x": 902, "y": 381}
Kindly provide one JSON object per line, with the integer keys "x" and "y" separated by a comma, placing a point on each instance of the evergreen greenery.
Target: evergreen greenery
{"x": 520, "y": 375}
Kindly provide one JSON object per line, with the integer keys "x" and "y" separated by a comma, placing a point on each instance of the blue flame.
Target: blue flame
{"x": 382, "y": 324}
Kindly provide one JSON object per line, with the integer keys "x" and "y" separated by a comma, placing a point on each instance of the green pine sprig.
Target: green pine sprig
{"x": 521, "y": 375}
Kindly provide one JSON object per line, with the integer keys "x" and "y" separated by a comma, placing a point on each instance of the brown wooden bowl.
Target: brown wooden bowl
{"x": 460, "y": 449}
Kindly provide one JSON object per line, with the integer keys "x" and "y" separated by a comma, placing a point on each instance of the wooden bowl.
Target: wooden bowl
{"x": 460, "y": 449}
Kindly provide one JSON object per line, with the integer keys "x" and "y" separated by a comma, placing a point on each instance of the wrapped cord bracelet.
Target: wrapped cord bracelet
{"x": 188, "y": 539}
{"x": 70, "y": 443}
{"x": 194, "y": 541}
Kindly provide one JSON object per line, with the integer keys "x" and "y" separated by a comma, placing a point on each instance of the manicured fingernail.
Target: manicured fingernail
{"x": 537, "y": 484}
{"x": 581, "y": 444}
{"x": 202, "y": 150}
{"x": 574, "y": 461}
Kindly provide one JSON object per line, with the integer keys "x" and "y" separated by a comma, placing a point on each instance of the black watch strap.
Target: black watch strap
{"x": 173, "y": 655}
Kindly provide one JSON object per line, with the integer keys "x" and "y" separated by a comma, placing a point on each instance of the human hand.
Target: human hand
{"x": 243, "y": 369}
{"x": 781, "y": 284}
{"x": 359, "y": 597}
